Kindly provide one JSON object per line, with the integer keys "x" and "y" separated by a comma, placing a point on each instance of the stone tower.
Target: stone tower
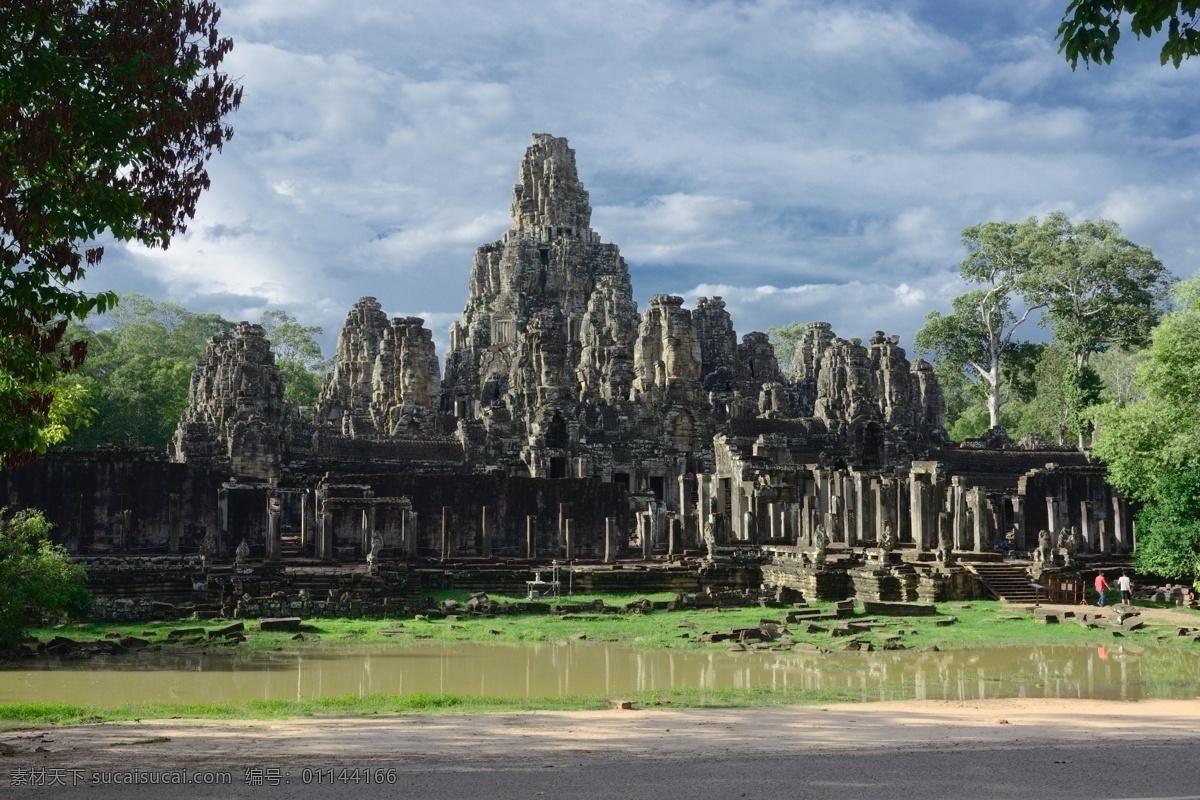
{"x": 550, "y": 318}
{"x": 236, "y": 413}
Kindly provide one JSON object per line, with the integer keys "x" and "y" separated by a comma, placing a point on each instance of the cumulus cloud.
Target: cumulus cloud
{"x": 814, "y": 159}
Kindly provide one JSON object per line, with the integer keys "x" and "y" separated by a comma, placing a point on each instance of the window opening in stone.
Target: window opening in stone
{"x": 556, "y": 433}
{"x": 657, "y": 485}
{"x": 622, "y": 478}
{"x": 559, "y": 467}
{"x": 545, "y": 255}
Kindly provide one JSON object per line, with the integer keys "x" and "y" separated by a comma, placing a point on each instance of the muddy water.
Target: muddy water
{"x": 1110, "y": 672}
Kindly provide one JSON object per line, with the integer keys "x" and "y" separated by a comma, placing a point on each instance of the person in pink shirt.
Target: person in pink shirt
{"x": 1101, "y": 587}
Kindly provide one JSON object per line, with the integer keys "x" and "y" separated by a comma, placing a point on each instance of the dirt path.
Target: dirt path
{"x": 457, "y": 742}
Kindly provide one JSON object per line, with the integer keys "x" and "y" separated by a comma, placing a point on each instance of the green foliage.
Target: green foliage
{"x": 1090, "y": 29}
{"x": 34, "y": 572}
{"x": 109, "y": 112}
{"x": 138, "y": 373}
{"x": 784, "y": 339}
{"x": 977, "y": 337}
{"x": 1098, "y": 288}
{"x": 302, "y": 365}
{"x": 1152, "y": 446}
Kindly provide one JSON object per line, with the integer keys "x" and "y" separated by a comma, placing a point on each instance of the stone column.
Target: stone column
{"x": 673, "y": 527}
{"x": 1018, "y": 508}
{"x": 917, "y": 496}
{"x": 1052, "y": 507}
{"x": 410, "y": 532}
{"x": 447, "y": 532}
{"x": 646, "y": 532}
{"x": 610, "y": 540}
{"x": 325, "y": 550}
{"x": 569, "y": 538}
{"x": 904, "y": 531}
{"x": 864, "y": 518}
{"x": 1086, "y": 528}
{"x": 531, "y": 537}
{"x": 977, "y": 502}
{"x": 306, "y": 519}
{"x": 1120, "y": 532}
{"x": 485, "y": 531}
{"x": 564, "y": 511}
{"x": 274, "y": 544}
{"x": 174, "y": 523}
{"x": 958, "y": 508}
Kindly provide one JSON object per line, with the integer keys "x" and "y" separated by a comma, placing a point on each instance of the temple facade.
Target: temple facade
{"x": 564, "y": 423}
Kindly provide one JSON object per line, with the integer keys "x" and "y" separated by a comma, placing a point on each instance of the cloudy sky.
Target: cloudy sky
{"x": 805, "y": 160}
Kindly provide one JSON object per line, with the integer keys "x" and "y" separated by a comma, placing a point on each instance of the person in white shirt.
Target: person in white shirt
{"x": 1126, "y": 587}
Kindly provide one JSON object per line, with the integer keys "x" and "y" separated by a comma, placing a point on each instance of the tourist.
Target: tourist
{"x": 1126, "y": 587}
{"x": 1101, "y": 587}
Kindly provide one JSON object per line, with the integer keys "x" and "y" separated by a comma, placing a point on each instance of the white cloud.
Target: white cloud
{"x": 817, "y": 159}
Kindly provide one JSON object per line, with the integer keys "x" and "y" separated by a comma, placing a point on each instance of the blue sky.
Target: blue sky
{"x": 804, "y": 160}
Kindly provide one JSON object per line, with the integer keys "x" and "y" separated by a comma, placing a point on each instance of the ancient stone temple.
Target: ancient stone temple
{"x": 567, "y": 425}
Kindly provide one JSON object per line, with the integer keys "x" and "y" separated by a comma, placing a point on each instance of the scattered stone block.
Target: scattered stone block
{"x": 897, "y": 609}
{"x": 279, "y": 624}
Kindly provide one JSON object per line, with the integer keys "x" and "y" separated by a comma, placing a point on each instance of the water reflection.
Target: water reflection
{"x": 1105, "y": 672}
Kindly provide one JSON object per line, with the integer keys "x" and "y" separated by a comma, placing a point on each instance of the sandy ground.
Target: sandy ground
{"x": 458, "y": 741}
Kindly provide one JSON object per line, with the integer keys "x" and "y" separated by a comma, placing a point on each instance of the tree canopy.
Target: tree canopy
{"x": 109, "y": 112}
{"x": 1090, "y": 29}
{"x": 982, "y": 326}
{"x": 1151, "y": 446}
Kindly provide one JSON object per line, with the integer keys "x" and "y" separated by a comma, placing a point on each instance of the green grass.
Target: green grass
{"x": 976, "y": 624}
{"x": 15, "y": 716}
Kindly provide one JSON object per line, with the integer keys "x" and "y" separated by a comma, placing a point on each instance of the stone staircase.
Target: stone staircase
{"x": 1007, "y": 580}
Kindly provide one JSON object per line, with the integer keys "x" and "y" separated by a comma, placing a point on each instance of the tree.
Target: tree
{"x": 36, "y": 573}
{"x": 1152, "y": 446}
{"x": 139, "y": 370}
{"x": 978, "y": 333}
{"x": 1098, "y": 289}
{"x": 1090, "y": 29}
{"x": 783, "y": 340}
{"x": 302, "y": 365}
{"x": 109, "y": 112}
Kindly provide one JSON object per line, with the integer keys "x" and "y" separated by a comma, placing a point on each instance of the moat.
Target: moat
{"x": 1106, "y": 672}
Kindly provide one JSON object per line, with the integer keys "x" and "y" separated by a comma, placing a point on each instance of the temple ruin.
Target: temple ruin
{"x": 565, "y": 425}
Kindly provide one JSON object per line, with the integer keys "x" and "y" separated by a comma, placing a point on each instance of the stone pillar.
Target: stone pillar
{"x": 1052, "y": 519}
{"x": 957, "y": 508}
{"x": 808, "y": 513}
{"x": 174, "y": 523}
{"x": 569, "y": 538}
{"x": 917, "y": 495}
{"x": 447, "y": 532}
{"x": 564, "y": 511}
{"x": 274, "y": 543}
{"x": 977, "y": 502}
{"x": 646, "y": 532}
{"x": 864, "y": 506}
{"x": 1086, "y": 528}
{"x": 674, "y": 524}
{"x": 325, "y": 551}
{"x": 610, "y": 540}
{"x": 410, "y": 532}
{"x": 531, "y": 537}
{"x": 1120, "y": 531}
{"x": 485, "y": 532}
{"x": 904, "y": 531}
{"x": 306, "y": 520}
{"x": 1018, "y": 508}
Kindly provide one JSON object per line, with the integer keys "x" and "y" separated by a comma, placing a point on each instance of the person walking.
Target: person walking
{"x": 1101, "y": 587}
{"x": 1126, "y": 587}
